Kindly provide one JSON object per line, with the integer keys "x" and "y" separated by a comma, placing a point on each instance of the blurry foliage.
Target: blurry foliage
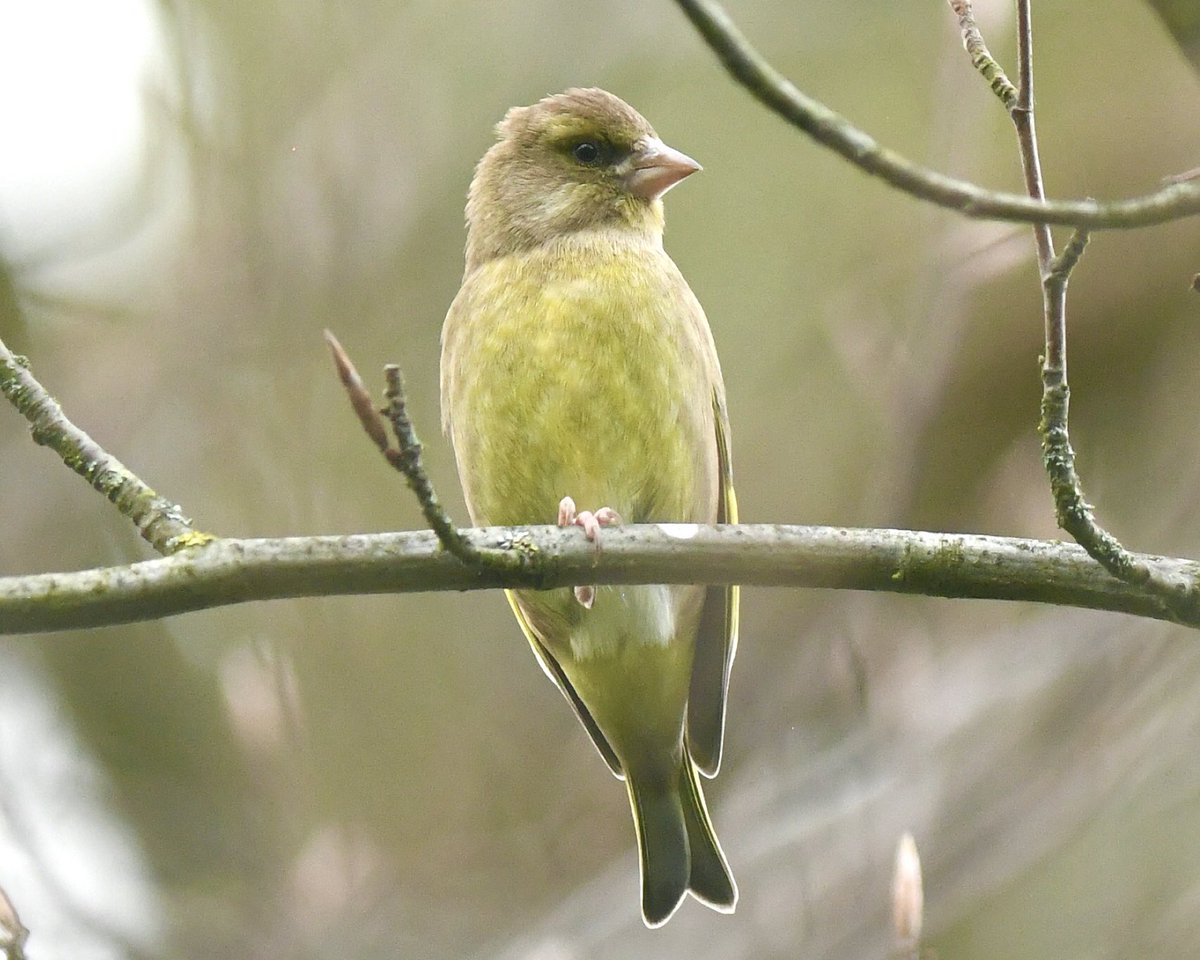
{"x": 392, "y": 776}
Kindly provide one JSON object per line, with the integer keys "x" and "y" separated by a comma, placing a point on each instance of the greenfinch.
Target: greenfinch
{"x": 578, "y": 370}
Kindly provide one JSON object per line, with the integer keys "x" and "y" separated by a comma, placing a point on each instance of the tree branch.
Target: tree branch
{"x": 981, "y": 57}
{"x": 161, "y": 523}
{"x": 825, "y": 126}
{"x": 407, "y": 456}
{"x": 228, "y": 571}
{"x": 1073, "y": 512}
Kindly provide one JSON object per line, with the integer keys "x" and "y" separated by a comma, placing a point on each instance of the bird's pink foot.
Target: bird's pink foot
{"x": 591, "y": 522}
{"x": 566, "y": 512}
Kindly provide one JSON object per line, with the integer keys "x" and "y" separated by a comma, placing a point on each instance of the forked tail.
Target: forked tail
{"x": 678, "y": 849}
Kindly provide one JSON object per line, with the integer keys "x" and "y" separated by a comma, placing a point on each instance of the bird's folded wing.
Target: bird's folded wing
{"x": 551, "y": 668}
{"x": 716, "y": 640}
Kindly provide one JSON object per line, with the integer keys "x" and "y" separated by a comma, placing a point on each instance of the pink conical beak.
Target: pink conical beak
{"x": 656, "y": 168}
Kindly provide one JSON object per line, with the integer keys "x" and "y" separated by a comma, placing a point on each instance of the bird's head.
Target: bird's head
{"x": 579, "y": 160}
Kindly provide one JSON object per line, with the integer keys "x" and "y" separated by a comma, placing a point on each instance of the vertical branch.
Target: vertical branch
{"x": 1072, "y": 511}
{"x": 407, "y": 459}
{"x": 1023, "y": 119}
{"x": 1054, "y": 283}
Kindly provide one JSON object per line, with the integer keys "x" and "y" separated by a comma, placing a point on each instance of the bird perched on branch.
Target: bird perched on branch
{"x": 580, "y": 383}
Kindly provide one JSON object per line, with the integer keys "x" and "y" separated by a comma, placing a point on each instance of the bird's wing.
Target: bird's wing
{"x": 716, "y": 639}
{"x": 551, "y": 668}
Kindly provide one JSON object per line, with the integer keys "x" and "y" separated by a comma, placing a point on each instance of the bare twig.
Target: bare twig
{"x": 1073, "y": 512}
{"x": 751, "y": 69}
{"x": 981, "y": 58}
{"x": 1021, "y": 113}
{"x": 408, "y": 461}
{"x": 356, "y": 390}
{"x": 1184, "y": 177}
{"x": 231, "y": 571}
{"x": 161, "y": 523}
{"x": 407, "y": 458}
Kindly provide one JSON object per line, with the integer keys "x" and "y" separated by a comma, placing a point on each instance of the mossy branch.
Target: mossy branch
{"x": 981, "y": 57}
{"x": 229, "y": 571}
{"x": 1072, "y": 511}
{"x": 161, "y": 522}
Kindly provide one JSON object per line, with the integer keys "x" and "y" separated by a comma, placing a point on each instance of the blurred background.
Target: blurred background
{"x": 190, "y": 190}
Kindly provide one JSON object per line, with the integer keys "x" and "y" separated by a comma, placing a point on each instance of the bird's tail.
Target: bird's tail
{"x": 678, "y": 848}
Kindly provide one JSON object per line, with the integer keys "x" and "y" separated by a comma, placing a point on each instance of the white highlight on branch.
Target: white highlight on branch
{"x": 680, "y": 531}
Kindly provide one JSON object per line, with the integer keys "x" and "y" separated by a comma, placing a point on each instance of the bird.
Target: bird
{"x": 580, "y": 385}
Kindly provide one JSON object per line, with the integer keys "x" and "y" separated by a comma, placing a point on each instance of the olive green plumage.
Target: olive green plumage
{"x": 576, "y": 361}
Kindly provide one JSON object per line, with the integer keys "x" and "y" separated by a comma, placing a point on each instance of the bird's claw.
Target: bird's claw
{"x": 591, "y": 522}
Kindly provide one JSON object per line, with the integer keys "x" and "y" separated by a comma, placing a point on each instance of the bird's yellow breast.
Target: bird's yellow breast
{"x": 583, "y": 367}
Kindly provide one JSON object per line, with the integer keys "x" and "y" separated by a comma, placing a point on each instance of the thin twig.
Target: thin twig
{"x": 161, "y": 522}
{"x": 1021, "y": 113}
{"x": 1184, "y": 177}
{"x": 1062, "y": 265}
{"x": 1074, "y": 514}
{"x": 407, "y": 457}
{"x": 981, "y": 57}
{"x": 356, "y": 390}
{"x": 777, "y": 93}
{"x": 407, "y": 460}
{"x": 231, "y": 571}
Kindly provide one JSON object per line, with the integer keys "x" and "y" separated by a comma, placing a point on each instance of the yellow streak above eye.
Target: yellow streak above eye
{"x": 562, "y": 129}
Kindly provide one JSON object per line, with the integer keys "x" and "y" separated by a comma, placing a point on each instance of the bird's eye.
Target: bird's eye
{"x": 586, "y": 152}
